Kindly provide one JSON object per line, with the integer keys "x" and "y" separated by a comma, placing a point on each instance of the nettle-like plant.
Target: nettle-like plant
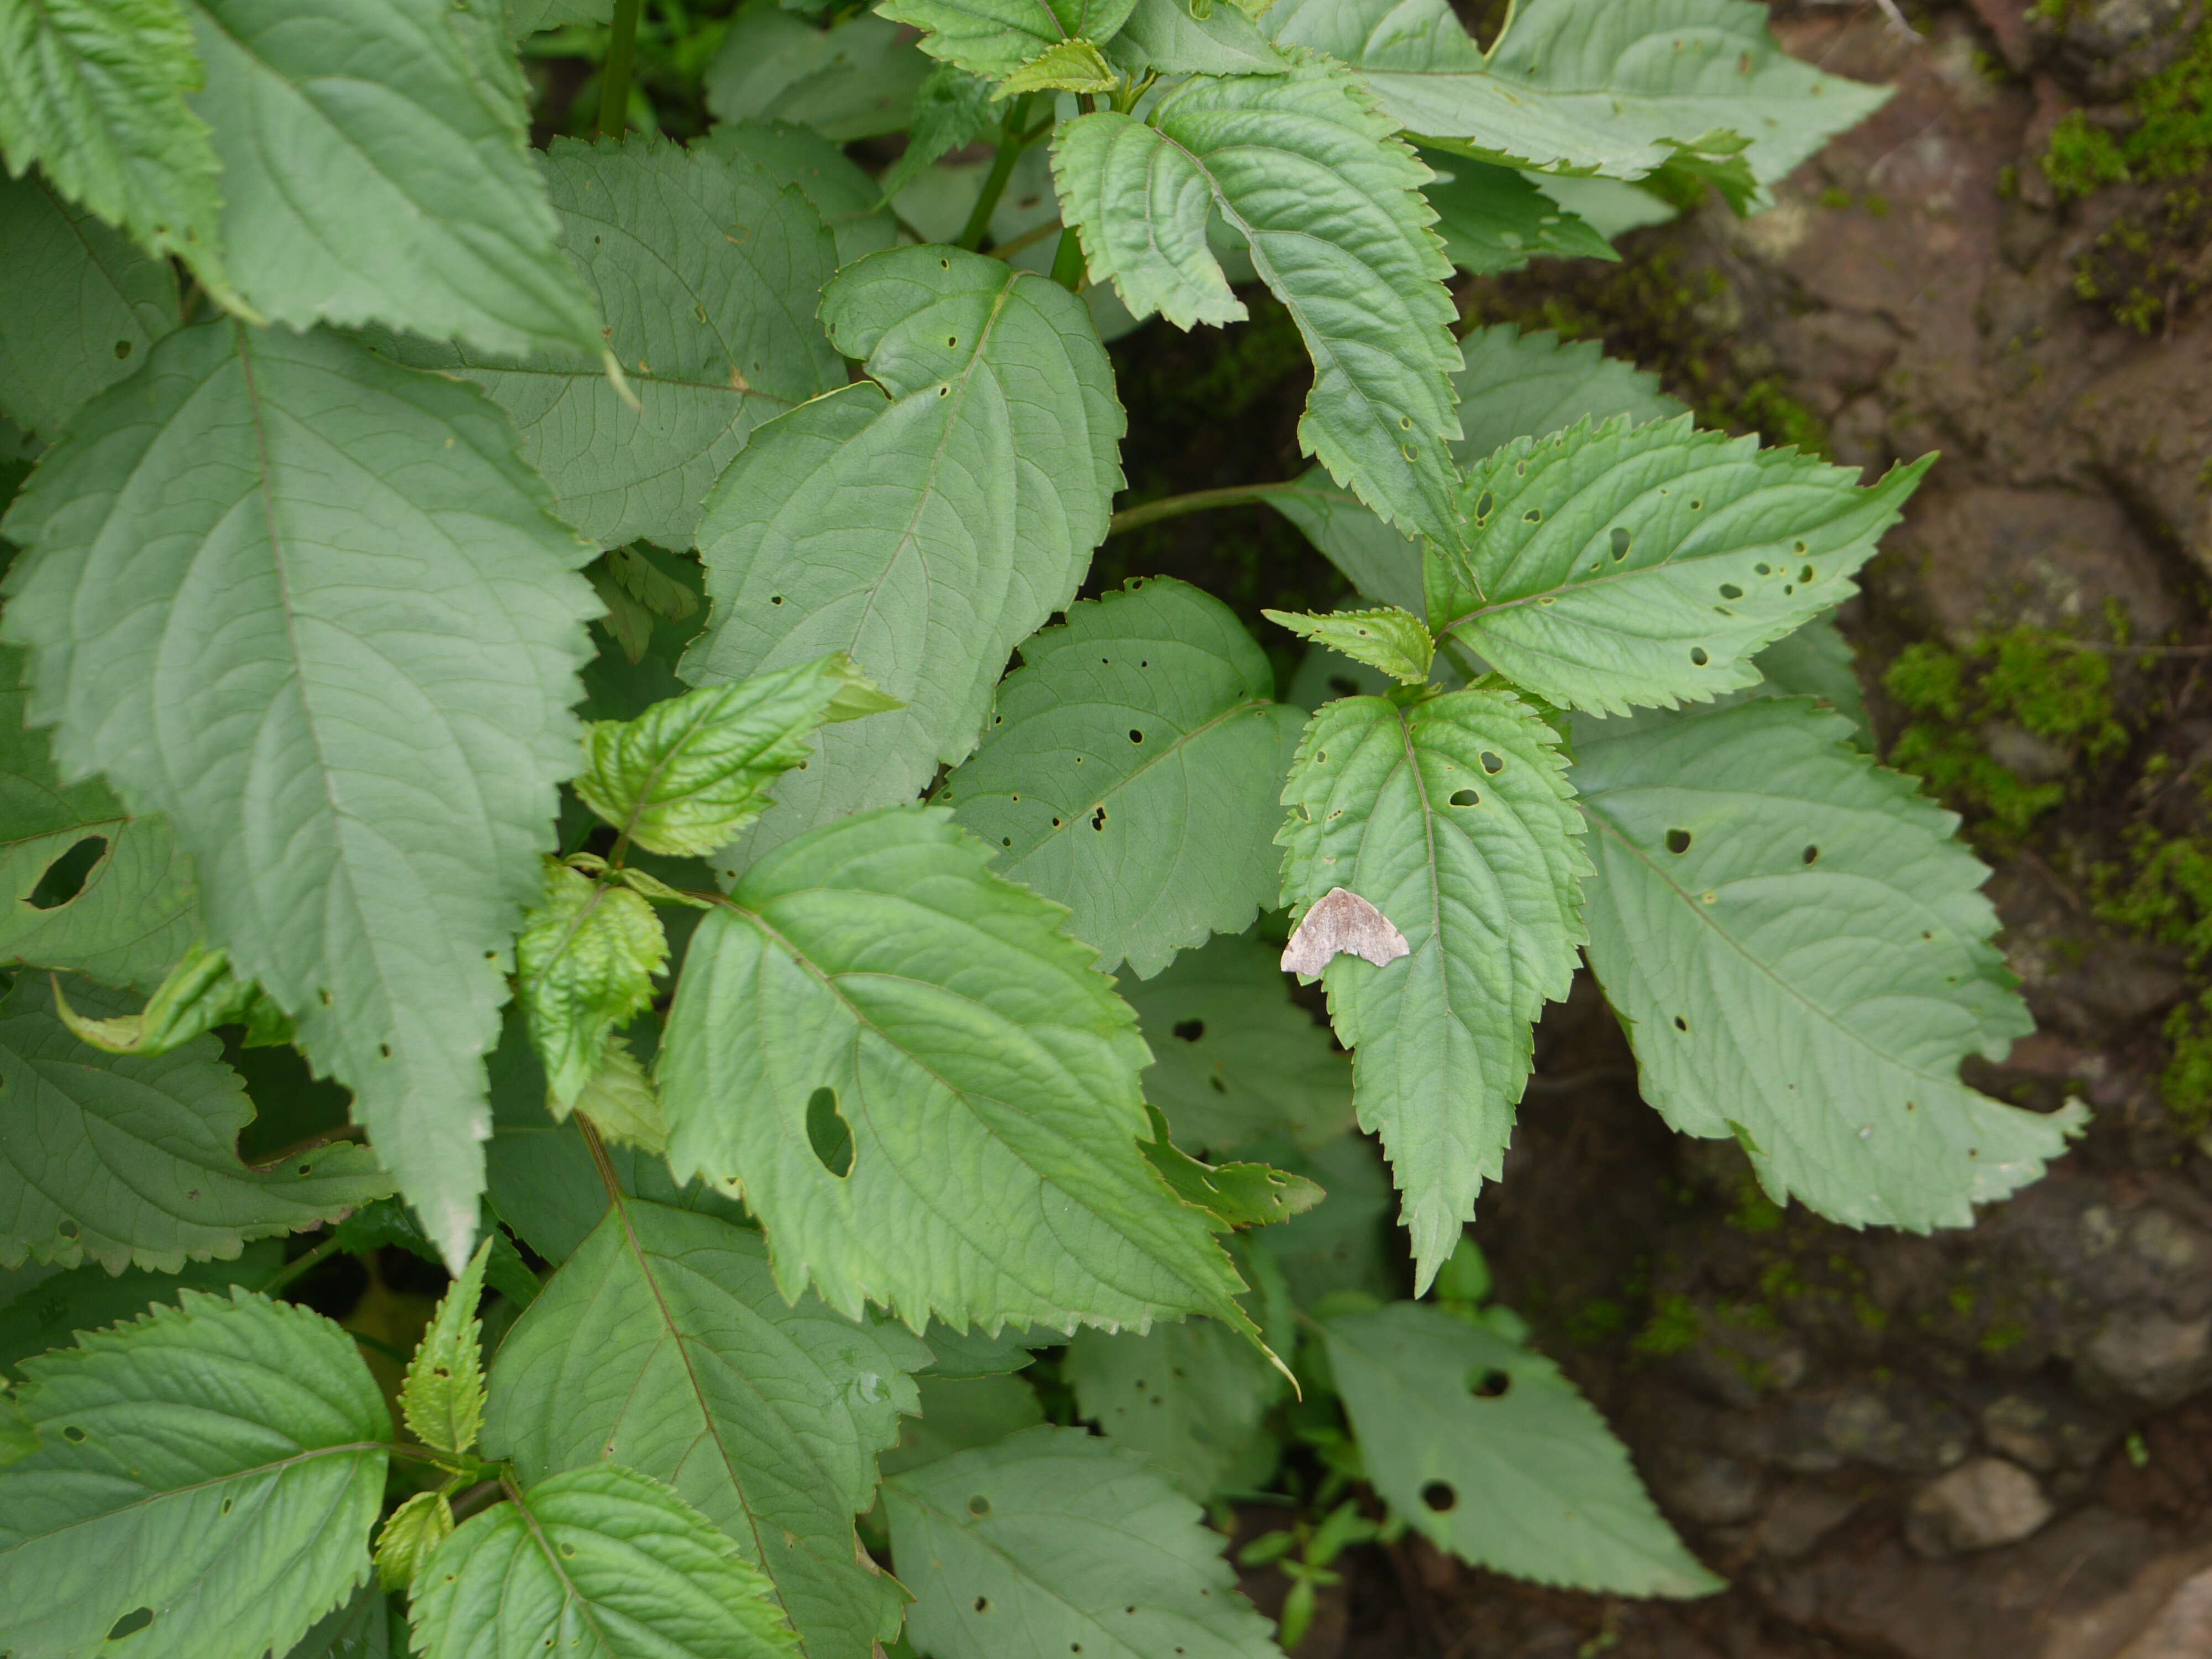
{"x": 359, "y": 447}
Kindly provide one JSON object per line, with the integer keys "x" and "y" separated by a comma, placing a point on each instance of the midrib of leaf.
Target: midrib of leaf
{"x": 906, "y": 541}
{"x": 278, "y": 1466}
{"x": 1161, "y": 758}
{"x": 1412, "y": 764}
{"x": 570, "y": 1595}
{"x": 598, "y": 372}
{"x": 1597, "y": 816}
{"x": 576, "y": 922}
{"x": 620, "y": 1201}
{"x": 76, "y": 828}
{"x": 958, "y": 1223}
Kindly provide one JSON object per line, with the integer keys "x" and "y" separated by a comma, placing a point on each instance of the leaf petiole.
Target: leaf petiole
{"x": 1013, "y": 141}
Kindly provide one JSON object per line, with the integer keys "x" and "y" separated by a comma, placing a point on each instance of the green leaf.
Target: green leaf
{"x": 663, "y": 1345}
{"x": 1132, "y": 772}
{"x": 1815, "y": 661}
{"x": 94, "y": 92}
{"x": 367, "y": 767}
{"x": 951, "y": 110}
{"x": 849, "y": 201}
{"x": 528, "y": 17}
{"x": 690, "y": 772}
{"x": 1485, "y": 1448}
{"x": 601, "y": 1563}
{"x": 960, "y": 1413}
{"x": 1612, "y": 565}
{"x": 585, "y": 960}
{"x": 620, "y": 1102}
{"x": 1301, "y": 166}
{"x": 362, "y": 1628}
{"x": 1453, "y": 818}
{"x": 1192, "y": 1395}
{"x": 134, "y": 913}
{"x": 18, "y": 1438}
{"x": 976, "y": 1353}
{"x": 1511, "y": 386}
{"x": 1054, "y": 1540}
{"x": 927, "y": 521}
{"x": 1167, "y": 37}
{"x": 1757, "y": 876}
{"x": 1492, "y": 219}
{"x": 1068, "y": 66}
{"x": 1233, "y": 1058}
{"x": 715, "y": 332}
{"x": 443, "y": 1395}
{"x": 1338, "y": 1245}
{"x": 1230, "y": 1195}
{"x": 411, "y": 1536}
{"x": 49, "y": 1311}
{"x": 200, "y": 993}
{"x": 220, "y": 1464}
{"x": 875, "y": 972}
{"x": 996, "y": 39}
{"x": 370, "y": 175}
{"x": 122, "y": 1158}
{"x": 1390, "y": 639}
{"x": 1678, "y": 72}
{"x": 79, "y": 304}
{"x": 854, "y": 80}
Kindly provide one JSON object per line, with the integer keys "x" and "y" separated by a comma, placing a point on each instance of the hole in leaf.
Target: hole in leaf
{"x": 130, "y": 1623}
{"x": 568, "y": 1549}
{"x": 1483, "y": 503}
{"x": 1439, "y": 1497}
{"x": 1806, "y": 574}
{"x": 1763, "y": 569}
{"x": 1190, "y": 1030}
{"x": 122, "y": 350}
{"x": 828, "y": 1132}
{"x": 1620, "y": 539}
{"x": 982, "y": 1604}
{"x": 1678, "y": 841}
{"x": 1811, "y": 854}
{"x": 1488, "y": 1382}
{"x": 979, "y": 1505}
{"x": 1697, "y": 505}
{"x": 1466, "y": 797}
{"x": 66, "y": 876}
{"x": 1698, "y": 656}
{"x": 1682, "y": 1025}
{"x": 1099, "y": 819}
{"x": 1135, "y": 736}
{"x": 1219, "y": 1086}
{"x": 1533, "y": 515}
{"x": 775, "y": 598}
{"x": 74, "y": 1435}
{"x": 1492, "y": 763}
{"x": 69, "y": 1229}
{"x": 1730, "y": 590}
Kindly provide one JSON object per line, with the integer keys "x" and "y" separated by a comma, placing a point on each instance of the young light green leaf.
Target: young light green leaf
{"x": 51, "y": 1310}
{"x": 1492, "y": 219}
{"x": 715, "y": 332}
{"x": 79, "y": 304}
{"x": 585, "y": 961}
{"x": 200, "y": 993}
{"x": 370, "y": 175}
{"x": 960, "y": 1413}
{"x": 365, "y": 771}
{"x": 1228, "y": 1195}
{"x": 411, "y": 1536}
{"x": 94, "y": 92}
{"x": 690, "y": 773}
{"x": 663, "y": 1345}
{"x": 997, "y": 39}
{"x": 123, "y": 1158}
{"x": 132, "y": 912}
{"x": 875, "y": 972}
{"x": 925, "y": 521}
{"x": 600, "y": 1563}
{"x": 621, "y": 1100}
{"x": 1170, "y": 37}
{"x": 854, "y": 80}
{"x": 1485, "y": 1448}
{"x": 1054, "y": 1540}
{"x": 850, "y": 203}
{"x": 1511, "y": 385}
{"x": 442, "y": 1397}
{"x": 1755, "y": 875}
{"x": 1192, "y": 1395}
{"x": 220, "y": 1463}
{"x": 1068, "y": 66}
{"x": 1452, "y": 817}
{"x": 951, "y": 110}
{"x": 1233, "y": 1058}
{"x": 1303, "y": 168}
{"x": 1613, "y": 565}
{"x": 1390, "y": 639}
{"x": 1132, "y": 772}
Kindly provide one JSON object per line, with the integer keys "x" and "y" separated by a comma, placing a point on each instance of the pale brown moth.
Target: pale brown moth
{"x": 1343, "y": 920}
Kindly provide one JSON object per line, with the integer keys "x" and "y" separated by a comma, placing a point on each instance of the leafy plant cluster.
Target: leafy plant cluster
{"x": 750, "y": 1049}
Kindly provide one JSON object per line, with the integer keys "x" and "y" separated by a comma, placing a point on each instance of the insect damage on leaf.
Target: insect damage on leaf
{"x": 1342, "y": 922}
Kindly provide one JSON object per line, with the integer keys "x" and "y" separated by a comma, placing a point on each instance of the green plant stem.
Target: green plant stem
{"x": 1199, "y": 501}
{"x": 614, "y": 79}
{"x": 1013, "y": 141}
{"x": 1067, "y": 267}
{"x": 299, "y": 1266}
